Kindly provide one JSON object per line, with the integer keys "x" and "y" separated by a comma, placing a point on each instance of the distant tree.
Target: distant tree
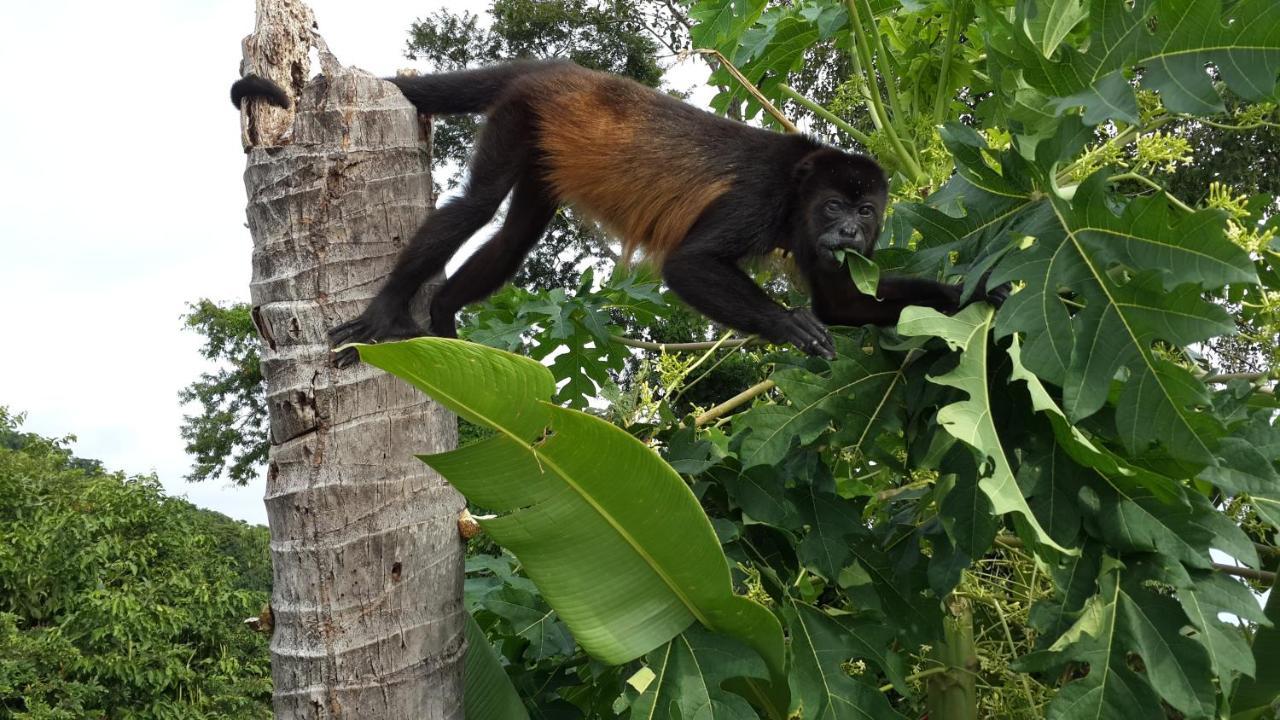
{"x": 228, "y": 437}
{"x": 116, "y": 601}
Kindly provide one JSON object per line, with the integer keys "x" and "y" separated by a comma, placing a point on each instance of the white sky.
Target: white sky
{"x": 121, "y": 200}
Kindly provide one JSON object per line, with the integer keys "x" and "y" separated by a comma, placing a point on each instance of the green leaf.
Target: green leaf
{"x": 1259, "y": 698}
{"x": 1120, "y": 620}
{"x": 773, "y": 428}
{"x": 966, "y": 515}
{"x": 820, "y": 686}
{"x": 1205, "y": 597}
{"x": 1083, "y": 349}
{"x": 720, "y": 22}
{"x": 581, "y": 501}
{"x": 1047, "y": 22}
{"x": 971, "y": 420}
{"x": 1172, "y": 40}
{"x": 1125, "y": 477}
{"x": 862, "y": 270}
{"x": 487, "y": 691}
{"x": 858, "y": 400}
{"x": 532, "y": 620}
{"x": 690, "y": 672}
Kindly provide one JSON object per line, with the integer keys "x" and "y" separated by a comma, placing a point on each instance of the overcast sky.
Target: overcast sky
{"x": 121, "y": 200}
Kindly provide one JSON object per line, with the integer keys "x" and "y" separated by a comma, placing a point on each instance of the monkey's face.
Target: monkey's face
{"x": 843, "y": 198}
{"x": 841, "y": 222}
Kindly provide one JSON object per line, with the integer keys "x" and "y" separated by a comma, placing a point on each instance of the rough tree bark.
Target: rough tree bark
{"x": 367, "y": 590}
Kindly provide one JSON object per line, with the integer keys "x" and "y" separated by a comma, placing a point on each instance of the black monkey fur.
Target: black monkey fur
{"x": 698, "y": 192}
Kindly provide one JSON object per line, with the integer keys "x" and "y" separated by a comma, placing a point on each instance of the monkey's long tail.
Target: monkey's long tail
{"x": 465, "y": 91}
{"x": 451, "y": 93}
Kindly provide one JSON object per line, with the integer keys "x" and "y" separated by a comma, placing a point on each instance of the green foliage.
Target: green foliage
{"x": 1060, "y": 467}
{"x": 229, "y": 435}
{"x": 117, "y": 602}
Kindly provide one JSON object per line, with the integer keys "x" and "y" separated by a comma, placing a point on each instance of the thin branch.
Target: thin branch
{"x": 1263, "y": 576}
{"x": 1228, "y": 377}
{"x": 734, "y": 402}
{"x": 751, "y": 88}
{"x": 681, "y": 346}
{"x": 1225, "y": 126}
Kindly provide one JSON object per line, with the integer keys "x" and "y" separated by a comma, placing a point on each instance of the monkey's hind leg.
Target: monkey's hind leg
{"x": 498, "y": 259}
{"x": 500, "y": 156}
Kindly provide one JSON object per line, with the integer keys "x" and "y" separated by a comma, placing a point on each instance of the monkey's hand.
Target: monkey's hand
{"x": 802, "y": 328}
{"x": 371, "y": 327}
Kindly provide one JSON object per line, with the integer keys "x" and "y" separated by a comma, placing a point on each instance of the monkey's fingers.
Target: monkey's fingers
{"x": 345, "y": 358}
{"x": 809, "y": 334}
{"x": 348, "y": 332}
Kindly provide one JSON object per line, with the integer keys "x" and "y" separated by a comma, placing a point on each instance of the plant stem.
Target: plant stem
{"x": 940, "y": 97}
{"x": 827, "y": 115}
{"x": 861, "y": 45}
{"x": 1136, "y": 177}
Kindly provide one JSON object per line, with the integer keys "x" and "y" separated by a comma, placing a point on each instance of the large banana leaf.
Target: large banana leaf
{"x": 613, "y": 537}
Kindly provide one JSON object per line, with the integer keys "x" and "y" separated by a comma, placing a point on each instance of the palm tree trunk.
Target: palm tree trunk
{"x": 367, "y": 590}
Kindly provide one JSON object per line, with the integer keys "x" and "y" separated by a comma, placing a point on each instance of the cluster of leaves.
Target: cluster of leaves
{"x": 116, "y": 602}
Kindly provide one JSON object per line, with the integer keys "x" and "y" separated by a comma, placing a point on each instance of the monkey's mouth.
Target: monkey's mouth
{"x": 847, "y": 255}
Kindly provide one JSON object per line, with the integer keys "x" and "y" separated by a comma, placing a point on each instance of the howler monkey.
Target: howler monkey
{"x": 697, "y": 192}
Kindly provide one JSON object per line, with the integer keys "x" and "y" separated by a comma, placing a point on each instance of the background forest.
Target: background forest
{"x": 1066, "y": 509}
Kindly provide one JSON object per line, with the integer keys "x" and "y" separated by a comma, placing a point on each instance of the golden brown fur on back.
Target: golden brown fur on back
{"x": 592, "y": 128}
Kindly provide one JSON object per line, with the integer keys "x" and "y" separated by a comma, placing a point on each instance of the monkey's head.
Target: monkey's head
{"x": 842, "y": 199}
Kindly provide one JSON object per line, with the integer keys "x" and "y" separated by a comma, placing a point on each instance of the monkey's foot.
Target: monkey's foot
{"x": 369, "y": 330}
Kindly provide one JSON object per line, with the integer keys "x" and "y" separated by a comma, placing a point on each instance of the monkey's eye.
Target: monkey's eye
{"x": 833, "y": 206}
{"x": 866, "y": 211}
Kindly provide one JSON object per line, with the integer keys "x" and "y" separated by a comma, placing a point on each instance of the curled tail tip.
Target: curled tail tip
{"x": 255, "y": 86}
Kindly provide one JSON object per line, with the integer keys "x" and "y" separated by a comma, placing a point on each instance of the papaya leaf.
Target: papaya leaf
{"x": 862, "y": 270}
{"x": 487, "y": 691}
{"x": 971, "y": 421}
{"x": 689, "y": 677}
{"x": 860, "y": 395}
{"x": 612, "y": 536}
{"x": 720, "y": 22}
{"x": 1125, "y": 618}
{"x": 820, "y": 686}
{"x": 1134, "y": 279}
{"x": 1125, "y": 477}
{"x": 1047, "y": 22}
{"x": 1258, "y": 698}
{"x": 1172, "y": 40}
